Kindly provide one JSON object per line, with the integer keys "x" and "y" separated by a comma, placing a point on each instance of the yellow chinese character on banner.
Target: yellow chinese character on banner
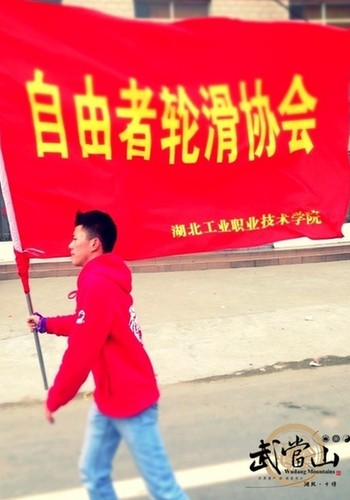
{"x": 267, "y": 220}
{"x": 224, "y": 118}
{"x": 178, "y": 111}
{"x": 93, "y": 122}
{"x": 46, "y": 110}
{"x": 209, "y": 227}
{"x": 178, "y": 231}
{"x": 194, "y": 229}
{"x": 252, "y": 223}
{"x": 298, "y": 217}
{"x": 137, "y": 134}
{"x": 224, "y": 226}
{"x": 313, "y": 217}
{"x": 237, "y": 225}
{"x": 298, "y": 102}
{"x": 283, "y": 219}
{"x": 262, "y": 126}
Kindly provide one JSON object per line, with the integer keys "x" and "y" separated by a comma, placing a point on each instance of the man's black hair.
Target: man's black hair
{"x": 98, "y": 225}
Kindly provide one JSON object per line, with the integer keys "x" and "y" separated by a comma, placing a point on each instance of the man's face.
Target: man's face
{"x": 81, "y": 247}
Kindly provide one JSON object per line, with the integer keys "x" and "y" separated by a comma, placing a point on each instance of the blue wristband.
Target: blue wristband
{"x": 41, "y": 326}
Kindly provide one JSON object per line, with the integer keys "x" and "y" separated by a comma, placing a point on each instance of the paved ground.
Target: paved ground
{"x": 210, "y": 430}
{"x": 197, "y": 324}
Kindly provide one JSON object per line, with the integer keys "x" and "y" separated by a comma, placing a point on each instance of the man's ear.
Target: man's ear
{"x": 95, "y": 244}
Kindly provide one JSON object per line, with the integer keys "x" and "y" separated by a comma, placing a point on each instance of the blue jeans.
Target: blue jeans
{"x": 141, "y": 434}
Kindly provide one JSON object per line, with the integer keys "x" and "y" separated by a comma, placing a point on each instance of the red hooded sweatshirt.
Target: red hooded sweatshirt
{"x": 105, "y": 338}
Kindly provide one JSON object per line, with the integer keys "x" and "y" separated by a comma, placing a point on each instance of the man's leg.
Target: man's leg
{"x": 100, "y": 444}
{"x": 143, "y": 438}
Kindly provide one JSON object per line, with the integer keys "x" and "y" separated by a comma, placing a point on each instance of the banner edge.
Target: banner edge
{"x": 9, "y": 205}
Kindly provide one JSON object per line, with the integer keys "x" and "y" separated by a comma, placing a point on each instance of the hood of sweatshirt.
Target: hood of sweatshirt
{"x": 107, "y": 266}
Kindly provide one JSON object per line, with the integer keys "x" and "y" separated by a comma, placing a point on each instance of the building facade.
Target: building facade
{"x": 334, "y": 12}
{"x": 176, "y": 9}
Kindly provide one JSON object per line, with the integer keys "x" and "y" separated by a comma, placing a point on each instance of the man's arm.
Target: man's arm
{"x": 59, "y": 325}
{"x": 92, "y": 325}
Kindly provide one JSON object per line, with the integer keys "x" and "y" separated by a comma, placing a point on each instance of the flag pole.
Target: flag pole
{"x": 22, "y": 261}
{"x": 37, "y": 342}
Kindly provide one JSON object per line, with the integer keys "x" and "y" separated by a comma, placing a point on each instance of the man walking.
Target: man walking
{"x": 105, "y": 338}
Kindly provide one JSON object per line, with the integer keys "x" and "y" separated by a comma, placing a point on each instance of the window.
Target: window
{"x": 333, "y": 12}
{"x": 171, "y": 9}
{"x": 4, "y": 225}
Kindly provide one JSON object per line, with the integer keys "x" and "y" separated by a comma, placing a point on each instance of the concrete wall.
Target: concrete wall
{"x": 122, "y": 8}
{"x": 242, "y": 9}
{"x": 250, "y": 9}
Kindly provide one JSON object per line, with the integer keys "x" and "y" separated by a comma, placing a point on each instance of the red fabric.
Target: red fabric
{"x": 104, "y": 338}
{"x": 216, "y": 133}
{"x": 22, "y": 262}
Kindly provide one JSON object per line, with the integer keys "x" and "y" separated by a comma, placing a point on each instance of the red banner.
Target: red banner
{"x": 196, "y": 135}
